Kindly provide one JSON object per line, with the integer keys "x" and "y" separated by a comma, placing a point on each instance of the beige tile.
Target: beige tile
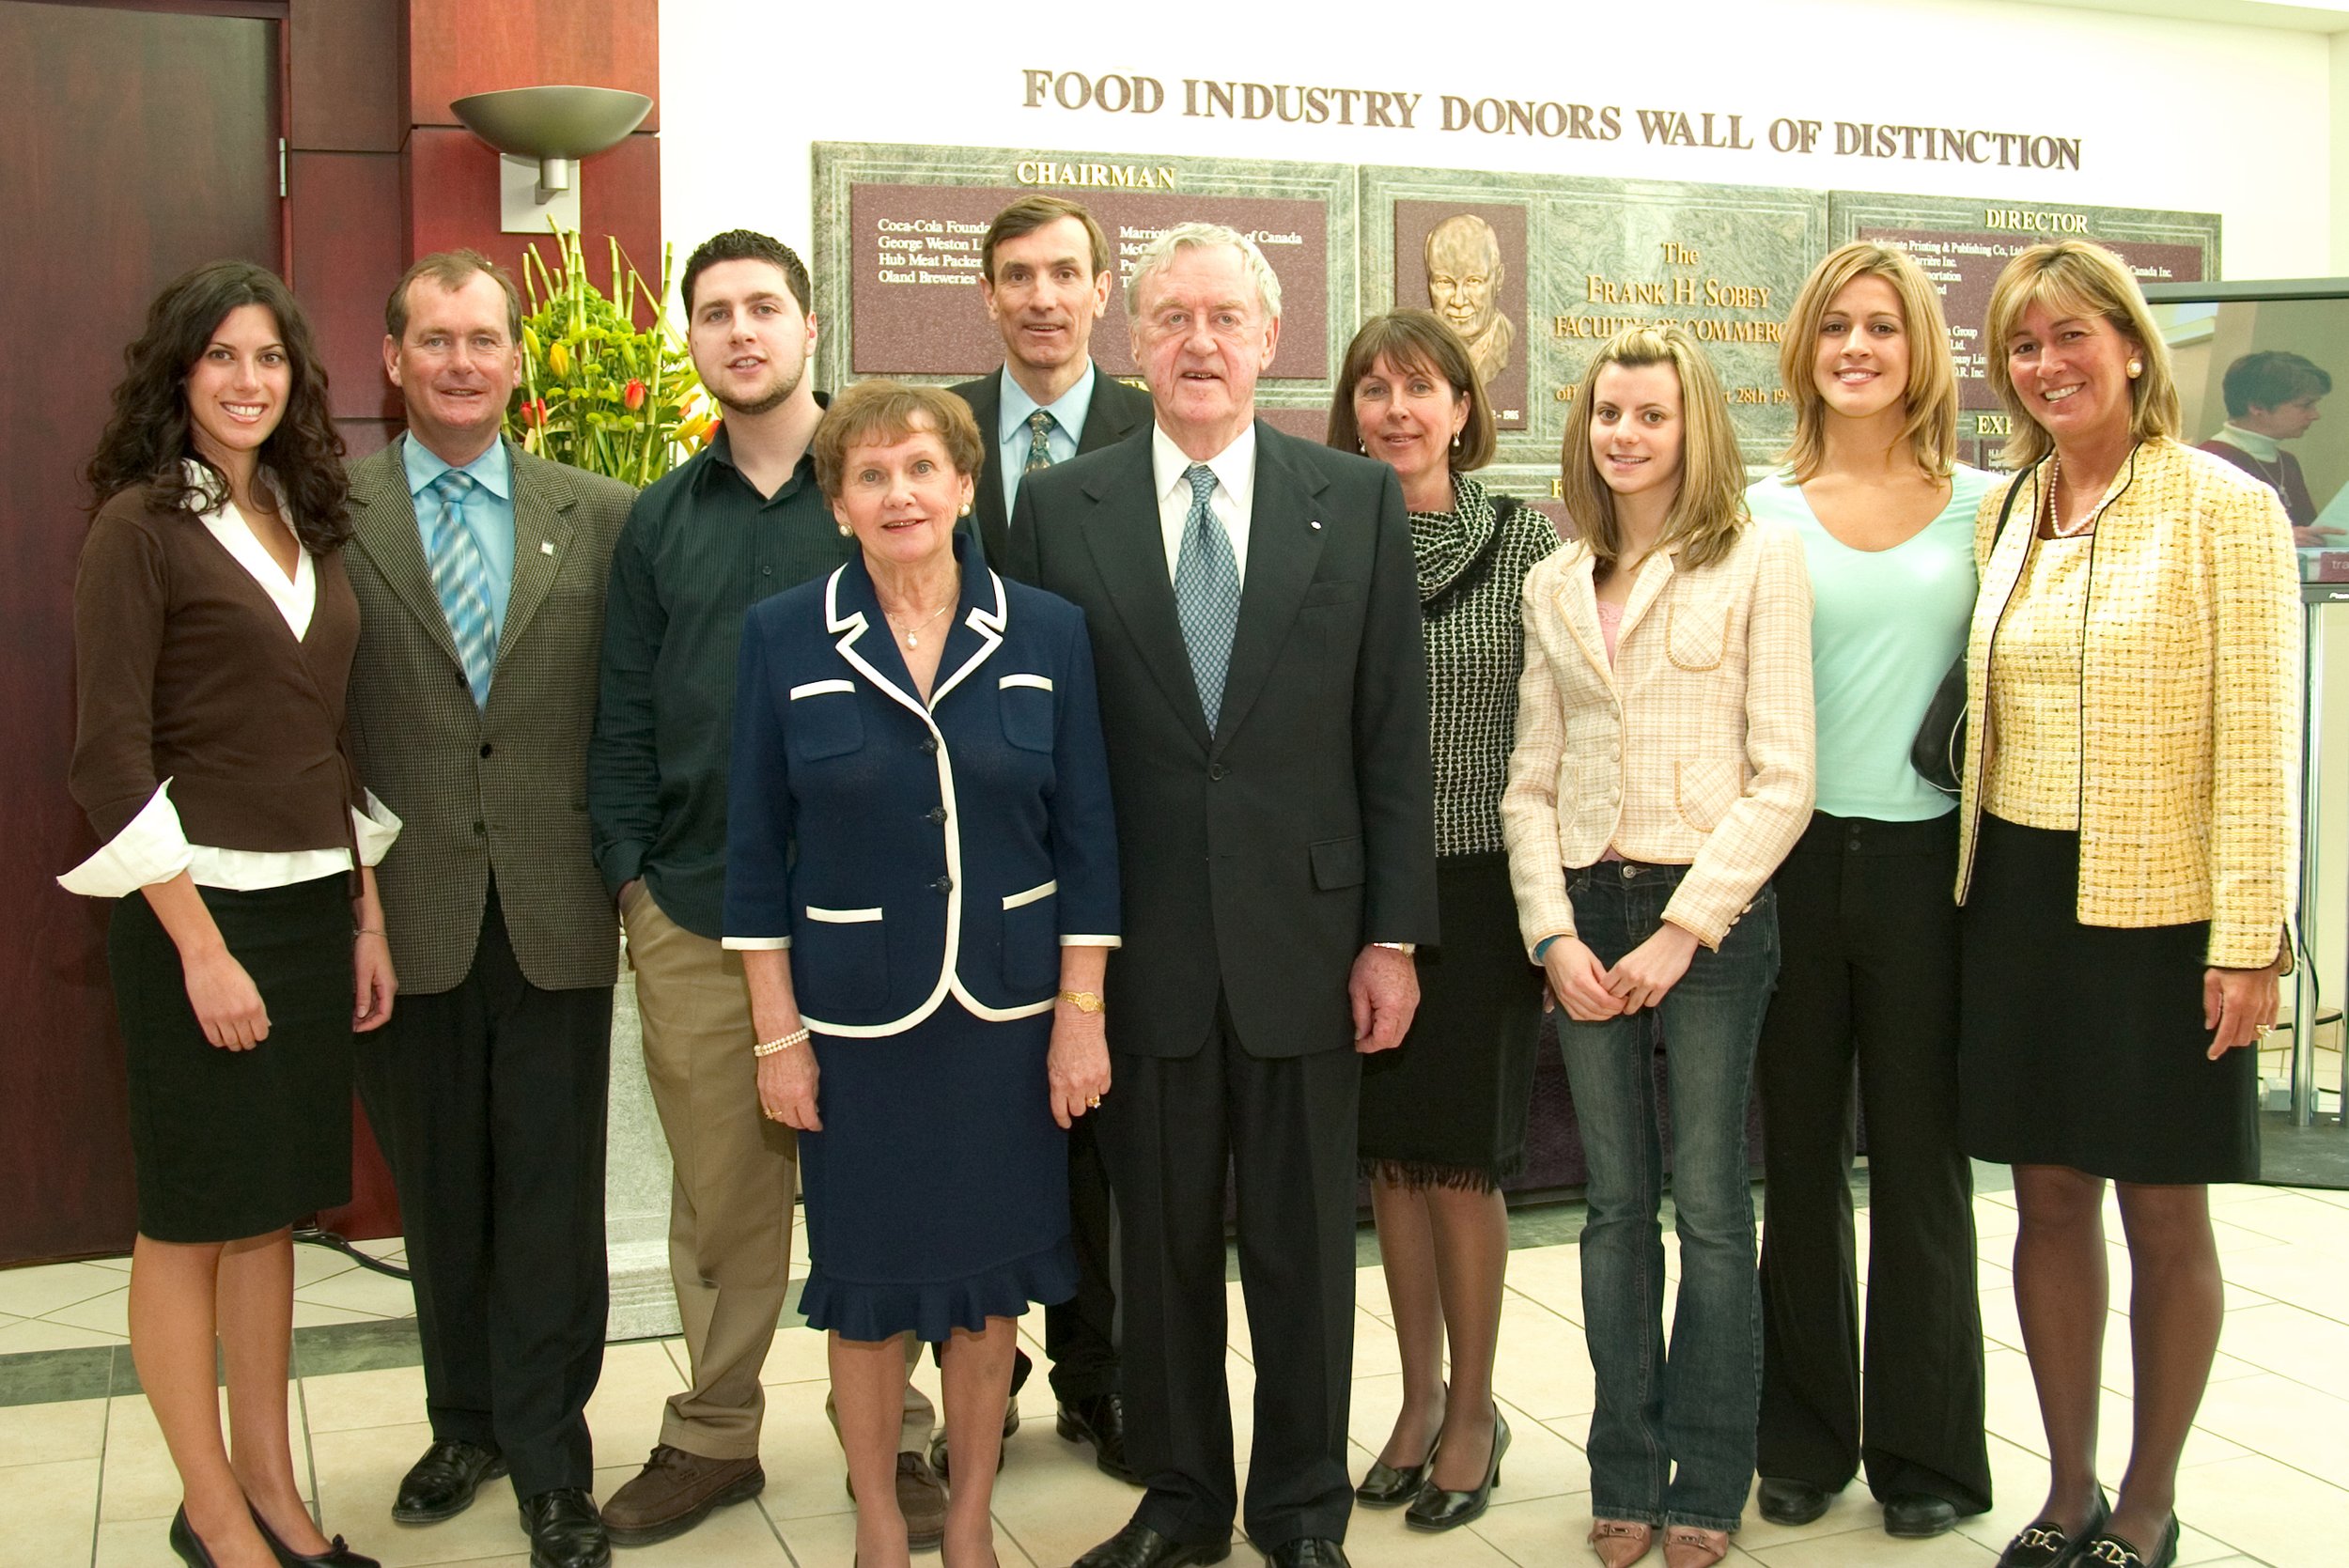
{"x": 135, "y": 1543}
{"x": 1051, "y": 1501}
{"x": 354, "y": 1400}
{"x": 1384, "y": 1540}
{"x": 2294, "y": 1217}
{"x": 34, "y": 1333}
{"x": 51, "y": 1510}
{"x": 316, "y": 1264}
{"x": 1850, "y": 1512}
{"x": 1540, "y": 1463}
{"x": 1550, "y": 1277}
{"x": 108, "y": 1314}
{"x": 2290, "y": 1339}
{"x": 2280, "y": 1418}
{"x": 361, "y": 1290}
{"x": 1543, "y": 1367}
{"x": 140, "y": 1480}
{"x": 1873, "y": 1549}
{"x": 359, "y": 1472}
{"x": 45, "y": 1287}
{"x": 309, "y": 1314}
{"x": 46, "y": 1433}
{"x": 805, "y": 1474}
{"x": 1995, "y": 1221}
{"x": 2266, "y": 1510}
{"x": 797, "y": 1355}
{"x": 123, "y": 1263}
{"x": 625, "y": 1409}
{"x": 2305, "y": 1276}
{"x": 736, "y": 1535}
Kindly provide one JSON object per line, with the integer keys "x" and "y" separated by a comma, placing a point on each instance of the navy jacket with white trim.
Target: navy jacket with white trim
{"x": 910, "y": 854}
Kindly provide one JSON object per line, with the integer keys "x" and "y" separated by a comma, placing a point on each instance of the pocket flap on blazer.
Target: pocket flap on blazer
{"x": 842, "y": 917}
{"x": 817, "y": 688}
{"x": 1035, "y": 894}
{"x": 1338, "y": 863}
{"x": 1042, "y": 683}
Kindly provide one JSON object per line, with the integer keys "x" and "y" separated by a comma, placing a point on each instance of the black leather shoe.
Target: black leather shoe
{"x": 565, "y": 1530}
{"x": 938, "y": 1442}
{"x": 2107, "y": 1550}
{"x": 1918, "y": 1515}
{"x": 1308, "y": 1551}
{"x": 1791, "y": 1502}
{"x": 337, "y": 1554}
{"x": 1101, "y": 1421}
{"x": 1140, "y": 1546}
{"x": 183, "y": 1541}
{"x": 1437, "y": 1509}
{"x": 2045, "y": 1544}
{"x": 1388, "y": 1487}
{"x": 441, "y": 1485}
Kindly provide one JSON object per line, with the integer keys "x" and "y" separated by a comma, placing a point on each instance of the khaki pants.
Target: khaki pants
{"x": 736, "y": 1173}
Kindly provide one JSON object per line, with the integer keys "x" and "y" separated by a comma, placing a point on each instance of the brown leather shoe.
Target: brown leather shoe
{"x": 676, "y": 1491}
{"x": 922, "y": 1498}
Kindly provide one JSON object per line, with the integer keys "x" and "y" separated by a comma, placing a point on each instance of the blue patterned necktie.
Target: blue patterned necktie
{"x": 1206, "y": 593}
{"x": 1040, "y": 425}
{"x": 461, "y": 578}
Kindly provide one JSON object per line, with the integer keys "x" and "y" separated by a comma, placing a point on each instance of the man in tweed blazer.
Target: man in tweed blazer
{"x": 489, "y": 1095}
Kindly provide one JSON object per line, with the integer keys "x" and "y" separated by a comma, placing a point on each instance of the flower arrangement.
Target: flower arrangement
{"x": 599, "y": 391}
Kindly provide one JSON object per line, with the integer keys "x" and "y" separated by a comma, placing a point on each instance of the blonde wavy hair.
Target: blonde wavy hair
{"x": 1930, "y": 427}
{"x": 1710, "y": 507}
{"x": 2073, "y": 278}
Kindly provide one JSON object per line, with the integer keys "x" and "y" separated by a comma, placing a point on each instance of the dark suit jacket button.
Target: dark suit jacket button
{"x": 478, "y": 830}
{"x": 937, "y": 814}
{"x": 945, "y": 884}
{"x": 1215, "y": 770}
{"x": 929, "y": 744}
{"x": 485, "y": 748}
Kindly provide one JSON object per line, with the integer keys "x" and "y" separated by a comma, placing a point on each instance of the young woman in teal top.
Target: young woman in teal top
{"x": 1870, "y": 969}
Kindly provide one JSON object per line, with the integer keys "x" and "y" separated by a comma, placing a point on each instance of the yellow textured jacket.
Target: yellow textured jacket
{"x": 1694, "y": 747}
{"x": 2189, "y": 699}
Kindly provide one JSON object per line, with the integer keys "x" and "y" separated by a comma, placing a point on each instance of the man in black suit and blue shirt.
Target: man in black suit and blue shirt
{"x": 1255, "y": 625}
{"x": 1045, "y": 279}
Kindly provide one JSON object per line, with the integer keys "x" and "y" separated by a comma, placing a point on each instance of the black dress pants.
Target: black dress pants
{"x": 1081, "y": 1334}
{"x": 1284, "y": 1129}
{"x": 1869, "y": 973}
{"x": 489, "y": 1100}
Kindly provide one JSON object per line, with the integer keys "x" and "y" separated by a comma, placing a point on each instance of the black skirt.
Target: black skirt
{"x": 1447, "y": 1106}
{"x": 2083, "y": 1045}
{"x": 234, "y": 1143}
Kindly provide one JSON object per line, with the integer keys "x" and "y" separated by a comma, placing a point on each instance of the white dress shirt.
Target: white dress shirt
{"x": 1232, "y": 500}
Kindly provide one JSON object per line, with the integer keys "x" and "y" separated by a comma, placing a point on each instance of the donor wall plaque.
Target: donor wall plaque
{"x": 1536, "y": 272}
{"x": 1963, "y": 244}
{"x": 900, "y": 229}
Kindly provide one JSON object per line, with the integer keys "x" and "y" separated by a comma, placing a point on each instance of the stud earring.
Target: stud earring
{"x": 2137, "y": 368}
{"x": 966, "y": 510}
{"x": 846, "y": 530}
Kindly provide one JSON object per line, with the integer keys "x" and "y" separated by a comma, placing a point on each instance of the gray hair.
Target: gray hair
{"x": 1159, "y": 254}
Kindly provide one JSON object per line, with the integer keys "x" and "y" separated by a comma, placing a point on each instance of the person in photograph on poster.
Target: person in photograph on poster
{"x": 1471, "y": 272}
{"x": 2271, "y": 398}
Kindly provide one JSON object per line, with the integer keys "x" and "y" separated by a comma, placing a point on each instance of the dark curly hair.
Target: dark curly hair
{"x": 148, "y": 441}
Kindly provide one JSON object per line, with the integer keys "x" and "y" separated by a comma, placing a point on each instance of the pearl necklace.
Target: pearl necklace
{"x": 2055, "y": 516}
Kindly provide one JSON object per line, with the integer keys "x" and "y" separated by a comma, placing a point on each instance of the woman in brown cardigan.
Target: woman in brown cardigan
{"x": 213, "y": 632}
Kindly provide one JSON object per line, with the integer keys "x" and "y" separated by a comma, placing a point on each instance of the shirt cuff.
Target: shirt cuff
{"x": 1093, "y": 941}
{"x": 150, "y": 849}
{"x": 374, "y": 828}
{"x": 754, "y": 944}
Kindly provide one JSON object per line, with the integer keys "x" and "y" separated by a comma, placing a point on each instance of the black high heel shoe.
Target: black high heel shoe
{"x": 337, "y": 1554}
{"x": 1390, "y": 1486}
{"x": 1437, "y": 1509}
{"x": 184, "y": 1542}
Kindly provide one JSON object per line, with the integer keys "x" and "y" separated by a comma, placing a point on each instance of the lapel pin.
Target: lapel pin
{"x": 1315, "y": 524}
{"x": 546, "y": 547}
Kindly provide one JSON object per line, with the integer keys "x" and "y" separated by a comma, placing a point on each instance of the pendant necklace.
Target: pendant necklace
{"x": 913, "y": 638}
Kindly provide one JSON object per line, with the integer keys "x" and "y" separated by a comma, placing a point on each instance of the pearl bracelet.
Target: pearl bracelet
{"x": 769, "y": 1047}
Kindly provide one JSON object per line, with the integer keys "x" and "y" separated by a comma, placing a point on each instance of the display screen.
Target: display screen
{"x": 2255, "y": 383}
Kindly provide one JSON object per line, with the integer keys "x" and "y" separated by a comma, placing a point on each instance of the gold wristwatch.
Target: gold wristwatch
{"x": 1086, "y": 1002}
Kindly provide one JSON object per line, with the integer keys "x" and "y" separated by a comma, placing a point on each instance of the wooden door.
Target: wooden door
{"x": 138, "y": 144}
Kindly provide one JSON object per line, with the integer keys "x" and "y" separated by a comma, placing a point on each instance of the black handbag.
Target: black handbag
{"x": 1940, "y": 742}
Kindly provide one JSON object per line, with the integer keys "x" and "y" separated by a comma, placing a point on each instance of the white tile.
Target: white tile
{"x": 2278, "y": 1417}
{"x": 2266, "y": 1510}
{"x": 309, "y": 1314}
{"x": 359, "y": 1472}
{"x": 34, "y": 1333}
{"x": 45, "y": 1433}
{"x": 45, "y": 1288}
{"x": 51, "y": 1510}
{"x": 1873, "y": 1549}
{"x": 108, "y": 1314}
{"x": 361, "y": 1290}
{"x": 355, "y": 1401}
{"x": 140, "y": 1480}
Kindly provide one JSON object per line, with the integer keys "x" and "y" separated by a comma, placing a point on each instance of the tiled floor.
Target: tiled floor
{"x": 85, "y": 1481}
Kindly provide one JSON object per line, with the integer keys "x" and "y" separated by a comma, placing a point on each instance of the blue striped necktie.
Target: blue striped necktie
{"x": 1206, "y": 593}
{"x": 461, "y": 578}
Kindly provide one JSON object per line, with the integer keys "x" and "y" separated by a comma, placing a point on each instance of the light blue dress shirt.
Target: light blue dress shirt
{"x": 1011, "y": 436}
{"x": 488, "y": 510}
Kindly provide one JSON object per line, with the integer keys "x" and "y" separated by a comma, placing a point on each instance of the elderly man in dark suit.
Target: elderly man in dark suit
{"x": 481, "y": 573}
{"x": 1255, "y": 626}
{"x": 1045, "y": 279}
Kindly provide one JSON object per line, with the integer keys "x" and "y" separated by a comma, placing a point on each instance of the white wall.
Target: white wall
{"x": 2162, "y": 107}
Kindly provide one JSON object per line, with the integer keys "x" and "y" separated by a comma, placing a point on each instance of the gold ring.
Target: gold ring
{"x": 1095, "y": 1102}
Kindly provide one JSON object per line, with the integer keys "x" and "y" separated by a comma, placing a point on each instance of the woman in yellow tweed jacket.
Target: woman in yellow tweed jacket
{"x": 2126, "y": 867}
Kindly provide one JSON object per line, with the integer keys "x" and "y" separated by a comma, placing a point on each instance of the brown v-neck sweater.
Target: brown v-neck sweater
{"x": 186, "y": 670}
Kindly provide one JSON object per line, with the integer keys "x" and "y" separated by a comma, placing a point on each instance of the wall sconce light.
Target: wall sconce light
{"x": 541, "y": 134}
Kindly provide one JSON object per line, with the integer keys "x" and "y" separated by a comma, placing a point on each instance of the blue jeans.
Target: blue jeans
{"x": 1673, "y": 1438}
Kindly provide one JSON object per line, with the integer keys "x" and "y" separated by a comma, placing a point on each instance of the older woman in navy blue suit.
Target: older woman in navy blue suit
{"x": 922, "y": 872}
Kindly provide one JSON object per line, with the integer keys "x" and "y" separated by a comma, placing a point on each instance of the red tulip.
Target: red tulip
{"x": 633, "y": 397}
{"x": 535, "y": 411}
